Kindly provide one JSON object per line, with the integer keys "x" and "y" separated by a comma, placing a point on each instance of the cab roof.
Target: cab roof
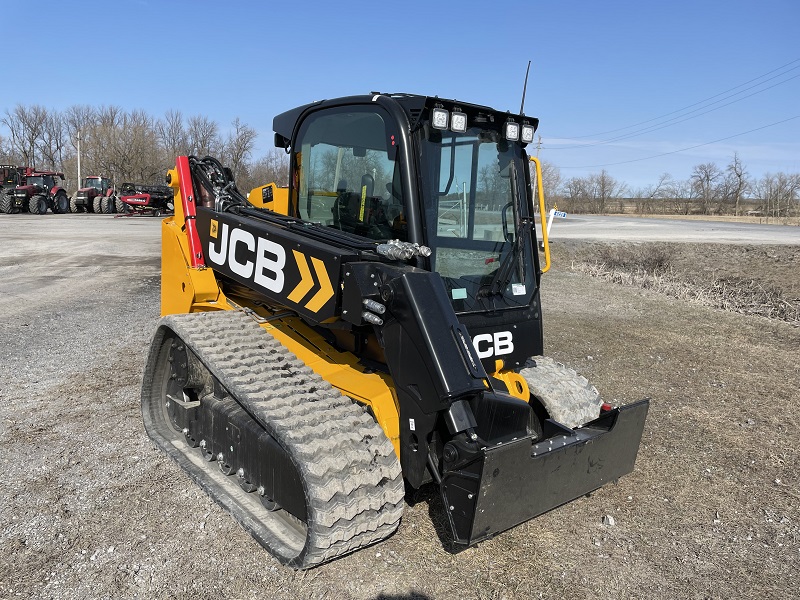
{"x": 415, "y": 107}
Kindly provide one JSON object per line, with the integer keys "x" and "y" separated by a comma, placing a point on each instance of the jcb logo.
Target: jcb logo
{"x": 262, "y": 261}
{"x": 496, "y": 344}
{"x": 267, "y": 268}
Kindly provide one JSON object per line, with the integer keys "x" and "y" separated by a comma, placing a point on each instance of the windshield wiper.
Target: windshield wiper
{"x": 505, "y": 271}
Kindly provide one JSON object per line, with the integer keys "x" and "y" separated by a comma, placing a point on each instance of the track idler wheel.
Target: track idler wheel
{"x": 268, "y": 502}
{"x": 224, "y": 466}
{"x": 246, "y": 485}
{"x": 205, "y": 452}
{"x": 191, "y": 441}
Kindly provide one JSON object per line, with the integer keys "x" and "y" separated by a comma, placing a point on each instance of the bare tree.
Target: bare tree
{"x": 706, "y": 179}
{"x": 682, "y": 196}
{"x": 576, "y": 195}
{"x": 121, "y": 145}
{"x": 7, "y": 154}
{"x": 779, "y": 192}
{"x": 646, "y": 197}
{"x": 53, "y": 142}
{"x": 172, "y": 135}
{"x": 239, "y": 147}
{"x": 736, "y": 182}
{"x": 489, "y": 189}
{"x": 99, "y": 141}
{"x": 604, "y": 189}
{"x": 26, "y": 125}
{"x": 551, "y": 181}
{"x": 78, "y": 119}
{"x": 203, "y": 136}
{"x": 273, "y": 167}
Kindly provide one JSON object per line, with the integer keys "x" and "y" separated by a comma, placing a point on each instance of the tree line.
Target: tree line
{"x": 135, "y": 146}
{"x": 709, "y": 190}
{"x": 131, "y": 145}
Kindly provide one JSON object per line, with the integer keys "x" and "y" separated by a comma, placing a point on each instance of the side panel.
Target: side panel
{"x": 183, "y": 289}
{"x": 285, "y": 267}
{"x": 270, "y": 196}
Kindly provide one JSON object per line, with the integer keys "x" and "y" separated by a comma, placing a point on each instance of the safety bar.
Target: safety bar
{"x": 542, "y": 212}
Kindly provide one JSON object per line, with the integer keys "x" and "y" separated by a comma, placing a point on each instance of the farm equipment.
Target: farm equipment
{"x": 96, "y": 195}
{"x": 11, "y": 177}
{"x": 40, "y": 192}
{"x": 373, "y": 328}
{"x": 138, "y": 199}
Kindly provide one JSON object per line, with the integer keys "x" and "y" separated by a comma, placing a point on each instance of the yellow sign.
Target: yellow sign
{"x": 214, "y": 229}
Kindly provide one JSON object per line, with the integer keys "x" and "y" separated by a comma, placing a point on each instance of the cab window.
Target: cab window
{"x": 347, "y": 173}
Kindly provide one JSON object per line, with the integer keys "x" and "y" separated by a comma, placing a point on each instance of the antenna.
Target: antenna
{"x": 524, "y": 88}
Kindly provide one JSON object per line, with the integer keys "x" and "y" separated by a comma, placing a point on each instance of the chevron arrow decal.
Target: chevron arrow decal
{"x": 306, "y": 279}
{"x": 302, "y": 289}
{"x": 325, "y": 288}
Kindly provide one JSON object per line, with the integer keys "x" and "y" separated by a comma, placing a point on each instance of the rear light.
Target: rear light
{"x": 605, "y": 407}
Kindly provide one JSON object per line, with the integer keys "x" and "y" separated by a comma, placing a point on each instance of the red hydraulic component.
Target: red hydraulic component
{"x": 189, "y": 212}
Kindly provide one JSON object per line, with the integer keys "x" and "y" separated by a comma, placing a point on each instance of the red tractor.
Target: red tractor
{"x": 40, "y": 192}
{"x": 11, "y": 177}
{"x": 95, "y": 195}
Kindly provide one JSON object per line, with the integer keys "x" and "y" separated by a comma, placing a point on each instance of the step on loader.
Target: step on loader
{"x": 373, "y": 328}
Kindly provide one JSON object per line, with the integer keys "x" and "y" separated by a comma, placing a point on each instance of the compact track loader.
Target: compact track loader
{"x": 373, "y": 327}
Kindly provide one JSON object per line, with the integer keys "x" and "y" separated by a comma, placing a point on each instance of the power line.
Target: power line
{"x": 699, "y": 102}
{"x": 625, "y": 162}
{"x": 679, "y": 119}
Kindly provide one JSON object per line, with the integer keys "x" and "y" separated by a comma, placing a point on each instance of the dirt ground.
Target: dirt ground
{"x": 91, "y": 509}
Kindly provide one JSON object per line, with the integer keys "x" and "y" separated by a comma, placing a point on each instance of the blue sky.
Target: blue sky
{"x": 598, "y": 68}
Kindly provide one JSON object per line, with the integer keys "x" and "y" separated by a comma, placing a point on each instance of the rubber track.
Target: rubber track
{"x": 352, "y": 478}
{"x": 568, "y": 397}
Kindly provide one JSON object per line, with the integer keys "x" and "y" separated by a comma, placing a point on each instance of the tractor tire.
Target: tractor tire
{"x": 107, "y": 205}
{"x": 567, "y": 397}
{"x": 122, "y": 207}
{"x": 97, "y": 205}
{"x": 61, "y": 204}
{"x": 37, "y": 205}
{"x": 73, "y": 206}
{"x": 6, "y": 204}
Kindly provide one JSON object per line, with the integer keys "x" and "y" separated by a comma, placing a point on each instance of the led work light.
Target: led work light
{"x": 527, "y": 134}
{"x": 439, "y": 118}
{"x": 458, "y": 122}
{"x": 512, "y": 131}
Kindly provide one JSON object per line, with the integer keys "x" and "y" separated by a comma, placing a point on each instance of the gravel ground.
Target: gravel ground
{"x": 91, "y": 509}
